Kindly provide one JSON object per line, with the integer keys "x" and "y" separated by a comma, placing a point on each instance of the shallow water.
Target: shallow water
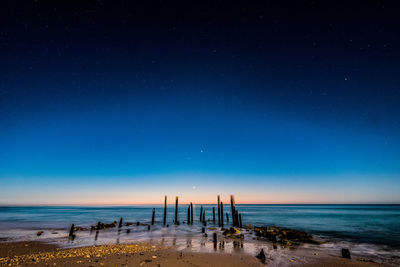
{"x": 368, "y": 230}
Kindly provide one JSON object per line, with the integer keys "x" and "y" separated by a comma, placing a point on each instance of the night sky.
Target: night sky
{"x": 275, "y": 101}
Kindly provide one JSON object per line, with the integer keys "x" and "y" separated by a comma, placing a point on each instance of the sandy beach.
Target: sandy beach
{"x": 146, "y": 254}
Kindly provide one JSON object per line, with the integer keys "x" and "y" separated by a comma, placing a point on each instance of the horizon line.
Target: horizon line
{"x": 173, "y": 204}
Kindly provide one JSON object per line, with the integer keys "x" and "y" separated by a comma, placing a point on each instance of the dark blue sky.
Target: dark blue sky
{"x": 307, "y": 92}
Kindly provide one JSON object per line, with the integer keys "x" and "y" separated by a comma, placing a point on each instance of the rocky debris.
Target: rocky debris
{"x": 78, "y": 228}
{"x": 100, "y": 226}
{"x": 261, "y": 256}
{"x": 284, "y": 236}
{"x": 39, "y": 233}
{"x": 346, "y": 253}
{"x": 233, "y": 232}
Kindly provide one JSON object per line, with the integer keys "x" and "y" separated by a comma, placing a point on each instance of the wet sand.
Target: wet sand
{"x": 144, "y": 254}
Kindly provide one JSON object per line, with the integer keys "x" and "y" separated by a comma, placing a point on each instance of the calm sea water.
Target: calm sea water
{"x": 375, "y": 228}
{"x": 378, "y": 224}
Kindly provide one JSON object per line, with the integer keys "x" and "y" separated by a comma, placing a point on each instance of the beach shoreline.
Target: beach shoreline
{"x": 302, "y": 240}
{"x": 146, "y": 254}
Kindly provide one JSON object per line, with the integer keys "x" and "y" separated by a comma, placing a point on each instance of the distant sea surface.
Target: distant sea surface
{"x": 377, "y": 225}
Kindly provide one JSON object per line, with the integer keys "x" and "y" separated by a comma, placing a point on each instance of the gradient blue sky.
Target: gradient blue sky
{"x": 95, "y": 110}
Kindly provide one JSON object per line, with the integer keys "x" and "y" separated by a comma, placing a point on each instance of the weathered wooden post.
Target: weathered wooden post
{"x": 120, "y": 223}
{"x": 191, "y": 213}
{"x": 215, "y": 240}
{"x": 213, "y": 214}
{"x": 233, "y": 208}
{"x": 97, "y": 231}
{"x": 240, "y": 220}
{"x": 204, "y": 215}
{"x": 71, "y": 231}
{"x": 219, "y": 211}
{"x": 176, "y": 210}
{"x": 227, "y": 218}
{"x": 236, "y": 218}
{"x": 222, "y": 214}
{"x": 201, "y": 213}
{"x": 152, "y": 217}
{"x": 188, "y": 215}
{"x": 165, "y": 210}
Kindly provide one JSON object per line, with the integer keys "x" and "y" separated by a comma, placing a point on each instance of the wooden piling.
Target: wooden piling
{"x": 176, "y": 210}
{"x": 227, "y": 218}
{"x": 201, "y": 213}
{"x": 71, "y": 230}
{"x": 165, "y": 210}
{"x": 191, "y": 213}
{"x": 204, "y": 215}
{"x": 240, "y": 220}
{"x": 233, "y": 208}
{"x": 219, "y": 211}
{"x": 236, "y": 218}
{"x": 120, "y": 223}
{"x": 222, "y": 214}
{"x": 213, "y": 214}
{"x": 152, "y": 217}
{"x": 97, "y": 231}
{"x": 215, "y": 240}
{"x": 188, "y": 215}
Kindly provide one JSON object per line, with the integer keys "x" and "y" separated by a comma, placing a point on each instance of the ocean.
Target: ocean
{"x": 369, "y": 230}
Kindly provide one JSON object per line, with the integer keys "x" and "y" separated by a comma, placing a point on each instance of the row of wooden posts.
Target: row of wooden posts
{"x": 236, "y": 216}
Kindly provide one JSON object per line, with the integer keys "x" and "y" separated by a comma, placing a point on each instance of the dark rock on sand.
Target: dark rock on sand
{"x": 261, "y": 256}
{"x": 39, "y": 233}
{"x": 346, "y": 253}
